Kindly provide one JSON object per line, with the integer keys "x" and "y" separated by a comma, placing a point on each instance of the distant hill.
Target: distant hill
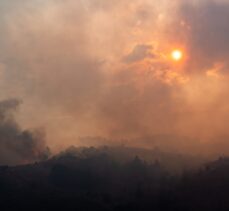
{"x": 172, "y": 162}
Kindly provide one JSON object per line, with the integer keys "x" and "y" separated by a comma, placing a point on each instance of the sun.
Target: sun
{"x": 177, "y": 55}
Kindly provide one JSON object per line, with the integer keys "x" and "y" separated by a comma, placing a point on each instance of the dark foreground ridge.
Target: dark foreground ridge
{"x": 101, "y": 179}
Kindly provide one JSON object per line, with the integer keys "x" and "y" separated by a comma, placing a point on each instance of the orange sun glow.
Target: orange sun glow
{"x": 177, "y": 55}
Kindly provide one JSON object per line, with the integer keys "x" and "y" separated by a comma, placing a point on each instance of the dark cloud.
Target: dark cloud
{"x": 18, "y": 146}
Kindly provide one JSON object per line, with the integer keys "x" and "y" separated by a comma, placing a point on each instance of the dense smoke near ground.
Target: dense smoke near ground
{"x": 101, "y": 68}
{"x": 18, "y": 146}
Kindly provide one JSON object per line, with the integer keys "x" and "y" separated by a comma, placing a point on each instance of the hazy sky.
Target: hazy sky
{"x": 104, "y": 68}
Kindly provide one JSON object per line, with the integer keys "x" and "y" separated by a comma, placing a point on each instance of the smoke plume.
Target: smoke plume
{"x": 18, "y": 146}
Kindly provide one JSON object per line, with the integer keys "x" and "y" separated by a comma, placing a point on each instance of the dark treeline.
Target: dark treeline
{"x": 94, "y": 179}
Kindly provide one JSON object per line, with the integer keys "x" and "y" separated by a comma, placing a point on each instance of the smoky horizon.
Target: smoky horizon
{"x": 139, "y": 73}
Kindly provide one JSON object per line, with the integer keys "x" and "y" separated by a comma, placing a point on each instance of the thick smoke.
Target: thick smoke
{"x": 96, "y": 68}
{"x": 18, "y": 146}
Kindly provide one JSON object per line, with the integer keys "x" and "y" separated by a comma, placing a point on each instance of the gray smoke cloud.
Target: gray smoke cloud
{"x": 139, "y": 53}
{"x": 209, "y": 28}
{"x": 18, "y": 146}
